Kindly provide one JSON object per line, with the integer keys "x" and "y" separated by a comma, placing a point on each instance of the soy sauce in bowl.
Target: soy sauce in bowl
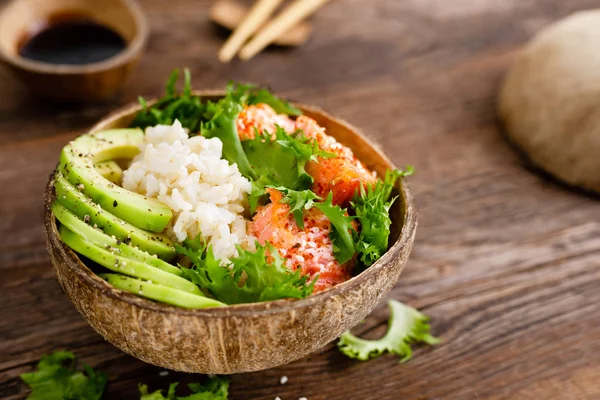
{"x": 71, "y": 39}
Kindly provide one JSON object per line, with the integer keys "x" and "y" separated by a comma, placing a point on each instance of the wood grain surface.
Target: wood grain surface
{"x": 506, "y": 262}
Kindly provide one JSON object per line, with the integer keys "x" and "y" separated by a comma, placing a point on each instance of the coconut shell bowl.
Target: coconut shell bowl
{"x": 245, "y": 337}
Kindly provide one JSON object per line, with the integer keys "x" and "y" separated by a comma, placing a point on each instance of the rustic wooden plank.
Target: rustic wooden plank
{"x": 505, "y": 260}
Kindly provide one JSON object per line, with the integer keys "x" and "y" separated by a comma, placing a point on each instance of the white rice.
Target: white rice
{"x": 206, "y": 194}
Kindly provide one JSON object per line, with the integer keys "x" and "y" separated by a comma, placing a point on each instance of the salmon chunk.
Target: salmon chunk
{"x": 261, "y": 117}
{"x": 309, "y": 249}
{"x": 341, "y": 174}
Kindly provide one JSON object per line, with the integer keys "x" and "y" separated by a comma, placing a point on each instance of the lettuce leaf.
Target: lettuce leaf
{"x": 57, "y": 379}
{"x": 223, "y": 125}
{"x": 341, "y": 229}
{"x": 184, "y": 106}
{"x": 299, "y": 201}
{"x": 371, "y": 206}
{"x": 406, "y": 326}
{"x": 281, "y": 161}
{"x": 215, "y": 388}
{"x": 248, "y": 278}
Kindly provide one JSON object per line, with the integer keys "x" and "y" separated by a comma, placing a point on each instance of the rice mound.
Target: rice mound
{"x": 206, "y": 194}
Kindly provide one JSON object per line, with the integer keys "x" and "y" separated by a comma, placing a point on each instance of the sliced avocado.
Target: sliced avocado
{"x": 124, "y": 265}
{"x": 84, "y": 208}
{"x": 115, "y": 246}
{"x": 160, "y": 293}
{"x": 77, "y": 161}
{"x": 110, "y": 170}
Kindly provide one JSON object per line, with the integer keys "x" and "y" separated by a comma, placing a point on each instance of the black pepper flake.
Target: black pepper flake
{"x": 86, "y": 219}
{"x": 295, "y": 246}
{"x": 127, "y": 240}
{"x": 115, "y": 203}
{"x": 119, "y": 242}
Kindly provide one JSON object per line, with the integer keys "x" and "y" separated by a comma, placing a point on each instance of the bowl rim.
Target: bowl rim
{"x": 245, "y": 309}
{"x": 133, "y": 47}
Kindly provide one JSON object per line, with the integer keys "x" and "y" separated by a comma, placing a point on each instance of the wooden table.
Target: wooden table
{"x": 506, "y": 262}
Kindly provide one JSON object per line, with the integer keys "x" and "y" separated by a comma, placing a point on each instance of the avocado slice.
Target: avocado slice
{"x": 115, "y": 246}
{"x": 160, "y": 293}
{"x": 77, "y": 161}
{"x": 124, "y": 265}
{"x": 110, "y": 170}
{"x": 84, "y": 208}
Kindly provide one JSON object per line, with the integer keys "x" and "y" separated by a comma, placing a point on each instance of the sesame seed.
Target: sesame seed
{"x": 302, "y": 398}
{"x": 163, "y": 373}
{"x": 283, "y": 380}
{"x": 277, "y": 398}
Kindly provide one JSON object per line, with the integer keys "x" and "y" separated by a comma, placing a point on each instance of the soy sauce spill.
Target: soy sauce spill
{"x": 73, "y": 40}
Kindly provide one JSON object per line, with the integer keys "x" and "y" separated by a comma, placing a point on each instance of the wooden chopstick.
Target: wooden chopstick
{"x": 257, "y": 16}
{"x": 289, "y": 17}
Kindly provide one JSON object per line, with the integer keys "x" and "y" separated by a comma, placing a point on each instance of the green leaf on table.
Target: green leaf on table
{"x": 371, "y": 205}
{"x": 341, "y": 229}
{"x": 215, "y": 388}
{"x": 252, "y": 276}
{"x": 406, "y": 326}
{"x": 57, "y": 379}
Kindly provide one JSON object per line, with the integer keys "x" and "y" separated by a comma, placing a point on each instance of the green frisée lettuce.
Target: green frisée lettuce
{"x": 299, "y": 201}
{"x": 222, "y": 125}
{"x": 406, "y": 326}
{"x": 184, "y": 106}
{"x": 215, "y": 388}
{"x": 371, "y": 206}
{"x": 341, "y": 229}
{"x": 282, "y": 157}
{"x": 250, "y": 277}
{"x": 279, "y": 160}
{"x": 57, "y": 379}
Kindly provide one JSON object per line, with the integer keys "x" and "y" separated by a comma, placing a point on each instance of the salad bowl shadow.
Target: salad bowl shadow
{"x": 237, "y": 338}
